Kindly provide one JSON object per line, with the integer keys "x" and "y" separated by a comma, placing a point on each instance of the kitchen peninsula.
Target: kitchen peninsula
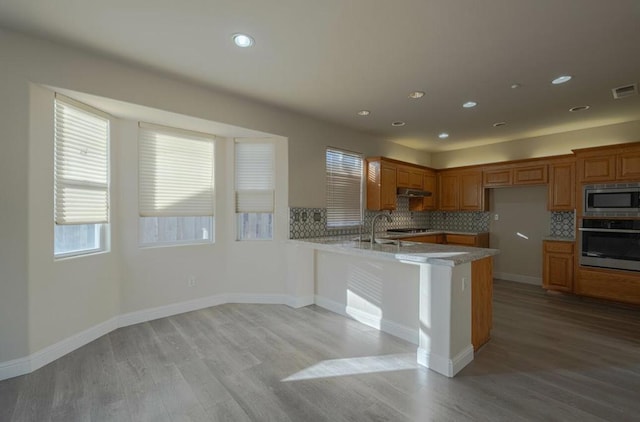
{"x": 436, "y": 296}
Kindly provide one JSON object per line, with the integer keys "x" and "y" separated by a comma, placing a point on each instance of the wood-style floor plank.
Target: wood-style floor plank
{"x": 551, "y": 358}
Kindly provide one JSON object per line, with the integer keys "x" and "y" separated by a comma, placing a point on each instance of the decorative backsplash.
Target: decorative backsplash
{"x": 463, "y": 221}
{"x": 312, "y": 222}
{"x": 563, "y": 224}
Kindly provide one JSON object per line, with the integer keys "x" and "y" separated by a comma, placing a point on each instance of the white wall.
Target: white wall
{"x": 543, "y": 146}
{"x": 523, "y": 210}
{"x": 43, "y": 301}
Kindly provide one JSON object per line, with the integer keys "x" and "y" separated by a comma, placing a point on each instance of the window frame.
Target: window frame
{"x": 361, "y": 186}
{"x": 273, "y": 190}
{"x": 102, "y": 228}
{"x": 177, "y": 132}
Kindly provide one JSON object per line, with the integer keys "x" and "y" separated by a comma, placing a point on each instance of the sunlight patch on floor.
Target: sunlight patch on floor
{"x": 356, "y": 366}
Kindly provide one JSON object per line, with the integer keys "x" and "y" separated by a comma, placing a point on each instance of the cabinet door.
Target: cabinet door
{"x": 558, "y": 266}
{"x": 598, "y": 169}
{"x": 496, "y": 178}
{"x": 403, "y": 177}
{"x": 628, "y": 166}
{"x": 448, "y": 192}
{"x": 471, "y": 192}
{"x": 388, "y": 189}
{"x": 415, "y": 178}
{"x": 530, "y": 175}
{"x": 562, "y": 187}
{"x": 429, "y": 184}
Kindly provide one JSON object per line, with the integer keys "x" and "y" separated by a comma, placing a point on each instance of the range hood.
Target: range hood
{"x": 413, "y": 193}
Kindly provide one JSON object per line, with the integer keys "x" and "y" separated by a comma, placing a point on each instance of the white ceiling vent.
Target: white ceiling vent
{"x": 625, "y": 91}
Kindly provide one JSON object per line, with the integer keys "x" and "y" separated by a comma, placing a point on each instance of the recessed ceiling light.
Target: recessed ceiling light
{"x": 243, "y": 40}
{"x": 443, "y": 135}
{"x": 398, "y": 123}
{"x": 498, "y": 124}
{"x": 416, "y": 94}
{"x": 561, "y": 79}
{"x": 579, "y": 108}
{"x": 469, "y": 104}
{"x": 364, "y": 113}
{"x": 515, "y": 86}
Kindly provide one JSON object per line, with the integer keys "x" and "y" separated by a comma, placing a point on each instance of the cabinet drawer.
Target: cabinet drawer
{"x": 461, "y": 239}
{"x": 614, "y": 285}
{"x": 558, "y": 247}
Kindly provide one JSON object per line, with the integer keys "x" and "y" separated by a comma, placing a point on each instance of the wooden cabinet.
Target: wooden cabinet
{"x": 515, "y": 174}
{"x": 480, "y": 240}
{"x": 481, "y": 301}
{"x": 427, "y": 238}
{"x": 558, "y": 262}
{"x": 381, "y": 185}
{"x": 597, "y": 169}
{"x": 562, "y": 186}
{"x": 530, "y": 175}
{"x": 410, "y": 177}
{"x": 430, "y": 184}
{"x": 461, "y": 191}
{"x": 621, "y": 286}
{"x": 609, "y": 163}
{"x": 494, "y": 178}
{"x": 628, "y": 166}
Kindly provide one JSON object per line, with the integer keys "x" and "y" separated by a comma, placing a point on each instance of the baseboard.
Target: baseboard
{"x": 27, "y": 364}
{"x": 374, "y": 321}
{"x": 537, "y": 281}
{"x": 443, "y": 365}
{"x": 37, "y": 360}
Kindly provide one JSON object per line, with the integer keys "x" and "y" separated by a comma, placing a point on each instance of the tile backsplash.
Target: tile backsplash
{"x": 562, "y": 224}
{"x": 312, "y": 222}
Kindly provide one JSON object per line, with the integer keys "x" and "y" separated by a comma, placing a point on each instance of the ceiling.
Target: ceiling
{"x": 332, "y": 58}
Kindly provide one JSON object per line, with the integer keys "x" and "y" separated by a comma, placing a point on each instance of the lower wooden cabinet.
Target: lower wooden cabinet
{"x": 621, "y": 286}
{"x": 426, "y": 238}
{"x": 480, "y": 240}
{"x": 481, "y": 301}
{"x": 558, "y": 261}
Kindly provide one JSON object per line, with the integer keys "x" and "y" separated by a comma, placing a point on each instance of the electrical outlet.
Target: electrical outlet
{"x": 191, "y": 281}
{"x": 496, "y": 217}
{"x": 464, "y": 283}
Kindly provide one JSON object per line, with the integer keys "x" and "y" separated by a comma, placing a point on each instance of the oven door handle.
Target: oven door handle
{"x": 585, "y": 229}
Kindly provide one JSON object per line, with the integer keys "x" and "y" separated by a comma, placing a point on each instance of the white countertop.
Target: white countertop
{"x": 413, "y": 252}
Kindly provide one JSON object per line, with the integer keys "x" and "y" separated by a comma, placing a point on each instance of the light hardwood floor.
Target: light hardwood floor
{"x": 550, "y": 358}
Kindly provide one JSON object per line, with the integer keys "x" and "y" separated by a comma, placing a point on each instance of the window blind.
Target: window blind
{"x": 81, "y": 163}
{"x": 344, "y": 188}
{"x": 254, "y": 163}
{"x": 175, "y": 172}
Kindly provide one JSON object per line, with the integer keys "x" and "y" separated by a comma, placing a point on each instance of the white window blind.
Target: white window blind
{"x": 255, "y": 162}
{"x": 81, "y": 167}
{"x": 344, "y": 188}
{"x": 175, "y": 172}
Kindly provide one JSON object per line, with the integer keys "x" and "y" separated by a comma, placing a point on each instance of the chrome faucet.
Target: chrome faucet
{"x": 373, "y": 225}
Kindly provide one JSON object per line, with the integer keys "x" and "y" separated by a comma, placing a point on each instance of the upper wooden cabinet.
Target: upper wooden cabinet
{"x": 530, "y": 175}
{"x": 515, "y": 174}
{"x": 381, "y": 185}
{"x": 430, "y": 184}
{"x": 385, "y": 176}
{"x": 461, "y": 191}
{"x": 609, "y": 163}
{"x": 562, "y": 185}
{"x": 410, "y": 177}
{"x": 493, "y": 178}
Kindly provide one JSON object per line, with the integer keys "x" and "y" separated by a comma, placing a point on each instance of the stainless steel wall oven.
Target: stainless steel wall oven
{"x": 610, "y": 244}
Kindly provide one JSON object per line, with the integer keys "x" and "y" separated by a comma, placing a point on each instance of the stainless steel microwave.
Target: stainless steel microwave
{"x": 618, "y": 199}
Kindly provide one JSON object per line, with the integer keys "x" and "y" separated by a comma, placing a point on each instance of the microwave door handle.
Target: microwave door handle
{"x": 585, "y": 229}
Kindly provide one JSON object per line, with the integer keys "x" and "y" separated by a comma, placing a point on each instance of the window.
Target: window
{"x": 81, "y": 178}
{"x": 176, "y": 186}
{"x": 344, "y": 188}
{"x": 254, "y": 165}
